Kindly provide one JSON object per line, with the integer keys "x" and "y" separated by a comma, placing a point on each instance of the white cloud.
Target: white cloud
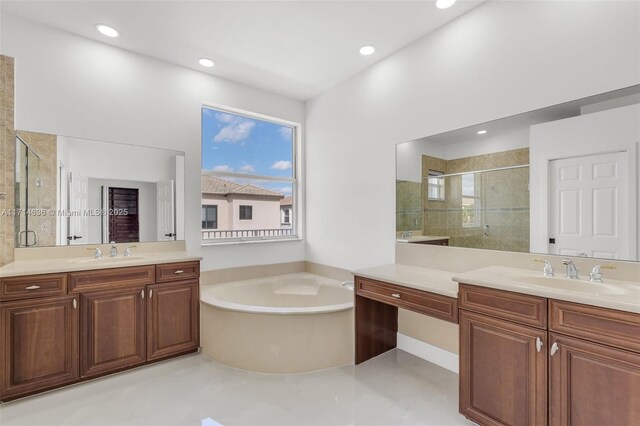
{"x": 223, "y": 168}
{"x": 281, "y": 165}
{"x": 235, "y": 132}
{"x": 286, "y": 190}
{"x": 285, "y": 132}
{"x": 248, "y": 168}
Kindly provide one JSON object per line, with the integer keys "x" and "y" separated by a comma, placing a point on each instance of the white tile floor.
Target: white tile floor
{"x": 393, "y": 389}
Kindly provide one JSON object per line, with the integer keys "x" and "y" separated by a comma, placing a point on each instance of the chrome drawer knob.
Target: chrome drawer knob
{"x": 178, "y": 271}
{"x": 396, "y": 295}
{"x": 32, "y": 287}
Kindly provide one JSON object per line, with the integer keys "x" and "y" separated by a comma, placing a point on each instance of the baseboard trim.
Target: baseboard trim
{"x": 428, "y": 352}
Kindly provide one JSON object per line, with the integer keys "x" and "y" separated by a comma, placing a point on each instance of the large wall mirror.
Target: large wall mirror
{"x": 72, "y": 191}
{"x": 560, "y": 180}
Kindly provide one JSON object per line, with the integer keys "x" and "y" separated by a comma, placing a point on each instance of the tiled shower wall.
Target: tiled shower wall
{"x": 7, "y": 158}
{"x": 503, "y": 197}
{"x": 42, "y": 185}
{"x": 408, "y": 206}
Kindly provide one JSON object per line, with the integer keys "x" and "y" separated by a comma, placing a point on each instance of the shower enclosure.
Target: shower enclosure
{"x": 28, "y": 195}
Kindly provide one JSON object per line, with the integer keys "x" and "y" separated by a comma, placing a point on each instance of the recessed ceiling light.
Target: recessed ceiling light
{"x": 482, "y": 132}
{"x": 444, "y": 4}
{"x": 367, "y": 50}
{"x": 205, "y": 62}
{"x": 107, "y": 30}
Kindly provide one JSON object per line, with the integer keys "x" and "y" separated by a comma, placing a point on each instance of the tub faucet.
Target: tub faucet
{"x": 572, "y": 271}
{"x": 114, "y": 249}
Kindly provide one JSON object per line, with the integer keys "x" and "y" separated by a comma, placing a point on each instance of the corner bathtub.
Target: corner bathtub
{"x": 282, "y": 324}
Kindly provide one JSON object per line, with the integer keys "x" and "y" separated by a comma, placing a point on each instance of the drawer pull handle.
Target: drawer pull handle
{"x": 142, "y": 293}
{"x": 150, "y": 293}
{"x": 554, "y": 348}
{"x": 396, "y": 295}
{"x": 538, "y": 344}
{"x": 32, "y": 287}
{"x": 178, "y": 271}
{"x": 75, "y": 304}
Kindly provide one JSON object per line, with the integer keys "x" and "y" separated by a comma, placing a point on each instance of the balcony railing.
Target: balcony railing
{"x": 215, "y": 234}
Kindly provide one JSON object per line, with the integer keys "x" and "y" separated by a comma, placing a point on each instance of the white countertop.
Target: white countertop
{"x": 620, "y": 295}
{"x": 613, "y": 294}
{"x": 432, "y": 280}
{"x": 72, "y": 264}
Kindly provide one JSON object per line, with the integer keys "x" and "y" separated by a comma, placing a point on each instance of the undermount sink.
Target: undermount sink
{"x": 576, "y": 285}
{"x": 107, "y": 259}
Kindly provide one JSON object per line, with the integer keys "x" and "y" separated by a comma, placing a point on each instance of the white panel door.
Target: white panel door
{"x": 166, "y": 212}
{"x": 589, "y": 211}
{"x": 78, "y": 206}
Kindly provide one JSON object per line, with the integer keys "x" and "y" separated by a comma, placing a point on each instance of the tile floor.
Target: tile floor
{"x": 394, "y": 389}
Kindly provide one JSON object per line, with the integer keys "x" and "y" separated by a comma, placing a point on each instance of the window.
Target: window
{"x": 286, "y": 216}
{"x": 246, "y": 212}
{"x": 471, "y": 215}
{"x": 435, "y": 186}
{"x": 249, "y": 167}
{"x": 209, "y": 217}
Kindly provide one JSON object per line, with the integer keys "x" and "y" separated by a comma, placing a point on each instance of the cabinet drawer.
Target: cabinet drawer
{"x": 602, "y": 325}
{"x": 516, "y": 307}
{"x": 33, "y": 286}
{"x": 435, "y": 305}
{"x": 177, "y": 271}
{"x": 109, "y": 278}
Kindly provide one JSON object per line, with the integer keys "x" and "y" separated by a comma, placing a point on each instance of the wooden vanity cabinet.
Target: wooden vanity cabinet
{"x": 103, "y": 321}
{"x": 39, "y": 344}
{"x": 503, "y": 367}
{"x": 112, "y": 332}
{"x": 522, "y": 357}
{"x": 173, "y": 323}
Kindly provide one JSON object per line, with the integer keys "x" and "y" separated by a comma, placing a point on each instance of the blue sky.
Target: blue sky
{"x": 234, "y": 143}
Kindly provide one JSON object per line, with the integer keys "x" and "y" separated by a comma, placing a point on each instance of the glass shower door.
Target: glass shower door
{"x": 27, "y": 192}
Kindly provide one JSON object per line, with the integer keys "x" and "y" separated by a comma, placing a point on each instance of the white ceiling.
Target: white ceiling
{"x": 295, "y": 48}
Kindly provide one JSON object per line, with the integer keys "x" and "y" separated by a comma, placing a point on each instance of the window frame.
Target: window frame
{"x": 245, "y": 208}
{"x": 296, "y": 181}
{"x": 207, "y": 206}
{"x": 477, "y": 201}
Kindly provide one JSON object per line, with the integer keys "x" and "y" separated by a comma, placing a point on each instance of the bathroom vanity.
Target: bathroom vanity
{"x": 533, "y": 350}
{"x": 92, "y": 317}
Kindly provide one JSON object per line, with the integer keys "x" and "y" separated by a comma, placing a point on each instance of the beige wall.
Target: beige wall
{"x": 7, "y": 158}
{"x": 266, "y": 212}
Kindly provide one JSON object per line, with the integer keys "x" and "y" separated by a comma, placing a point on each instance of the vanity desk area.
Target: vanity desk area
{"x": 534, "y": 349}
{"x": 69, "y": 319}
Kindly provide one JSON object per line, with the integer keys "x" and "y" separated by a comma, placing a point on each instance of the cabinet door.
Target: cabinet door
{"x": 503, "y": 371}
{"x": 39, "y": 344}
{"x": 172, "y": 318}
{"x": 592, "y": 384}
{"x": 112, "y": 333}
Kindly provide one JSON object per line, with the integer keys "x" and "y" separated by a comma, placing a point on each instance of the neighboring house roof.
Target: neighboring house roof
{"x": 286, "y": 201}
{"x": 215, "y": 185}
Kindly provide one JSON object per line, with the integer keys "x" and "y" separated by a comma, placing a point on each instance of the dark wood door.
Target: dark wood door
{"x": 112, "y": 334}
{"x": 503, "y": 375}
{"x": 592, "y": 385}
{"x": 39, "y": 344}
{"x": 172, "y": 318}
{"x": 124, "y": 226}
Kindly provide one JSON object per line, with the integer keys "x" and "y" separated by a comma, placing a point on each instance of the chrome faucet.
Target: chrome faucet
{"x": 596, "y": 275}
{"x": 572, "y": 271}
{"x": 548, "y": 270}
{"x": 114, "y": 249}
{"x": 127, "y": 251}
{"x": 97, "y": 254}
